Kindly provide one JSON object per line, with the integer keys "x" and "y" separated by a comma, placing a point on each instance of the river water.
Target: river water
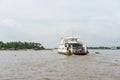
{"x": 35, "y": 65}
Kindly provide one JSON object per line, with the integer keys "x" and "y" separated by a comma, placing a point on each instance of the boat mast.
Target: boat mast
{"x": 72, "y": 32}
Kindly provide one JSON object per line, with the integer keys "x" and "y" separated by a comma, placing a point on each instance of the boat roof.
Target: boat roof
{"x": 70, "y": 40}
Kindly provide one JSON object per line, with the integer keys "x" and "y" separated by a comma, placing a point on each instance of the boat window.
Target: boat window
{"x": 73, "y": 39}
{"x": 76, "y": 46}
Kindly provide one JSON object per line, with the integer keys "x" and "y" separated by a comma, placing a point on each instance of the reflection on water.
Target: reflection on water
{"x": 34, "y": 65}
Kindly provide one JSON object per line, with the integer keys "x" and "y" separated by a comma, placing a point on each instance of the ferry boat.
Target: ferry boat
{"x": 72, "y": 45}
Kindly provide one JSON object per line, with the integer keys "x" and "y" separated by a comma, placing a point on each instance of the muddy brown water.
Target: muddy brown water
{"x": 40, "y": 65}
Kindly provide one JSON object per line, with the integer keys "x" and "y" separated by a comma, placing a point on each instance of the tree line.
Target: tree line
{"x": 20, "y": 45}
{"x": 103, "y": 47}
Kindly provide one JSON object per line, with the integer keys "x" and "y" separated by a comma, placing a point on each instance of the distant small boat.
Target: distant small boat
{"x": 114, "y": 48}
{"x": 72, "y": 45}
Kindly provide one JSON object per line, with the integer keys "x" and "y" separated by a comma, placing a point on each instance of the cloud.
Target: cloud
{"x": 7, "y": 22}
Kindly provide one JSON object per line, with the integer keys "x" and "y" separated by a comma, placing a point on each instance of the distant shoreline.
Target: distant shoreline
{"x": 21, "y": 46}
{"x": 26, "y": 50}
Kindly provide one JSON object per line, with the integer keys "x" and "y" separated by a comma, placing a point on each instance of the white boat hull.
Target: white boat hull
{"x": 76, "y": 52}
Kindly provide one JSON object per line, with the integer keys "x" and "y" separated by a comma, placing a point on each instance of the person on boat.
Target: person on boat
{"x": 69, "y": 50}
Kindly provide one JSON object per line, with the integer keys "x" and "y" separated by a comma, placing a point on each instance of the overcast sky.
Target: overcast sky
{"x": 95, "y": 22}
